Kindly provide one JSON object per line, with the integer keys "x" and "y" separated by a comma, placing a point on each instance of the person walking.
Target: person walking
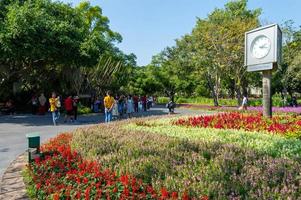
{"x": 9, "y": 108}
{"x": 115, "y": 113}
{"x": 144, "y": 101}
{"x": 121, "y": 105}
{"x": 244, "y": 105}
{"x": 42, "y": 101}
{"x": 96, "y": 105}
{"x": 69, "y": 109}
{"x": 108, "y": 104}
{"x": 136, "y": 103}
{"x": 75, "y": 106}
{"x": 54, "y": 104}
{"x": 171, "y": 106}
{"x": 129, "y": 106}
{"x": 34, "y": 104}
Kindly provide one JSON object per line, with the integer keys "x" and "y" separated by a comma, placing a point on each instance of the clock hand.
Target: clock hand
{"x": 263, "y": 46}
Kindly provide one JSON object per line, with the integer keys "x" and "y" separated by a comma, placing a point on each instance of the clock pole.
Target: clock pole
{"x": 266, "y": 91}
{"x": 263, "y": 51}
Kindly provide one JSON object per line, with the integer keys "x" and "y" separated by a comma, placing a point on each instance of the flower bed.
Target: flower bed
{"x": 285, "y": 125}
{"x": 293, "y": 110}
{"x": 63, "y": 174}
{"x": 230, "y": 165}
{"x": 166, "y": 162}
{"x": 287, "y": 109}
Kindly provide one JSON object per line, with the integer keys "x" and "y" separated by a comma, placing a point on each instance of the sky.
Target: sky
{"x": 148, "y": 26}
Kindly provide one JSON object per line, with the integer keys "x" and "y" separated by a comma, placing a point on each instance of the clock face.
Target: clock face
{"x": 260, "y": 47}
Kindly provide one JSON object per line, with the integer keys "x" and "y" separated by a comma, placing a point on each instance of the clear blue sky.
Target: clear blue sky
{"x": 148, "y": 26}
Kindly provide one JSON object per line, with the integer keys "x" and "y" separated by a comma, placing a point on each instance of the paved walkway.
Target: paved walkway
{"x": 12, "y": 185}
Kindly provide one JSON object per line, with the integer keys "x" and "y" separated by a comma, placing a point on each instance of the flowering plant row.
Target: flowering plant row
{"x": 287, "y": 109}
{"x": 286, "y": 125}
{"x": 62, "y": 173}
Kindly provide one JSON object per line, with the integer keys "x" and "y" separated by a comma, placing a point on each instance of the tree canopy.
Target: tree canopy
{"x": 209, "y": 61}
{"x": 46, "y": 45}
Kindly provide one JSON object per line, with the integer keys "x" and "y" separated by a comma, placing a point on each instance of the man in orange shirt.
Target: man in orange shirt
{"x": 108, "y": 104}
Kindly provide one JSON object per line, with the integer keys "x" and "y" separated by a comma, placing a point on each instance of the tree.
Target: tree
{"x": 285, "y": 79}
{"x": 218, "y": 46}
{"x": 212, "y": 55}
{"x": 292, "y": 78}
{"x": 46, "y": 45}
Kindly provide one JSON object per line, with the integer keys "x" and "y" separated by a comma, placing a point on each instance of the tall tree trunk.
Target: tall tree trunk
{"x": 212, "y": 89}
{"x": 238, "y": 96}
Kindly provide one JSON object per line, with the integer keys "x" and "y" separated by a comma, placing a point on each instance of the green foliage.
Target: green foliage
{"x": 209, "y": 61}
{"x": 83, "y": 109}
{"x": 162, "y": 100}
{"x": 293, "y": 75}
{"x": 29, "y": 182}
{"x": 220, "y": 164}
{"x": 49, "y": 45}
{"x": 277, "y": 101}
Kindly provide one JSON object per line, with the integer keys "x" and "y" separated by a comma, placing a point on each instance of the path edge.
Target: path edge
{"x": 12, "y": 185}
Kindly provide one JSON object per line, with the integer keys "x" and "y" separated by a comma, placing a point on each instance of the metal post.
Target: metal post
{"x": 266, "y": 90}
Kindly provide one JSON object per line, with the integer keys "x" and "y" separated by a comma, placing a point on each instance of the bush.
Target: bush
{"x": 162, "y": 100}
{"x": 83, "y": 109}
{"x": 222, "y": 167}
{"x": 277, "y": 101}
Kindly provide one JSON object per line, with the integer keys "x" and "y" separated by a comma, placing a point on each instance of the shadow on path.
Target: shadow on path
{"x": 46, "y": 120}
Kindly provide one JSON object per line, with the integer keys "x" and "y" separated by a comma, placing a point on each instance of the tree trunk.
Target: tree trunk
{"x": 212, "y": 89}
{"x": 238, "y": 96}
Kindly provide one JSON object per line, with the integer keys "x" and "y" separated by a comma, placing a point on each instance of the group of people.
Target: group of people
{"x": 70, "y": 104}
{"x": 38, "y": 104}
{"x": 120, "y": 105}
{"x": 8, "y": 108}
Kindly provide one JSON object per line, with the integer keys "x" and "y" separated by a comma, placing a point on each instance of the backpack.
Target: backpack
{"x": 58, "y": 104}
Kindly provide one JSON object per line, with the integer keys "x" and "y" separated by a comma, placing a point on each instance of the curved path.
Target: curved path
{"x": 14, "y": 128}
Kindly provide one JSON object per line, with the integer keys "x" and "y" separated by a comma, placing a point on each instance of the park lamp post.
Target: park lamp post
{"x": 263, "y": 52}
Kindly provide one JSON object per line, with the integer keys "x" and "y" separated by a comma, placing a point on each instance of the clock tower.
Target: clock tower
{"x": 263, "y": 47}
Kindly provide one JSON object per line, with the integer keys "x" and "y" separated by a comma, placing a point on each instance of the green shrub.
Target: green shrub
{"x": 277, "y": 101}
{"x": 223, "y": 165}
{"x": 162, "y": 100}
{"x": 83, "y": 109}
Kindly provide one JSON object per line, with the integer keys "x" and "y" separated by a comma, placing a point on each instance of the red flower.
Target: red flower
{"x": 164, "y": 193}
{"x": 78, "y": 195}
{"x": 174, "y": 195}
{"x": 85, "y": 180}
{"x": 126, "y": 192}
{"x": 87, "y": 193}
{"x": 38, "y": 186}
{"x": 205, "y": 198}
{"x": 56, "y": 196}
{"x": 185, "y": 196}
{"x": 124, "y": 180}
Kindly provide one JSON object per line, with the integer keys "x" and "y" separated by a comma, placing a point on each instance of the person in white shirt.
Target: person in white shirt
{"x": 244, "y": 105}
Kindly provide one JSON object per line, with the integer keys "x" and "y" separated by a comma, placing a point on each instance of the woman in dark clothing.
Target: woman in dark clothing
{"x": 75, "y": 105}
